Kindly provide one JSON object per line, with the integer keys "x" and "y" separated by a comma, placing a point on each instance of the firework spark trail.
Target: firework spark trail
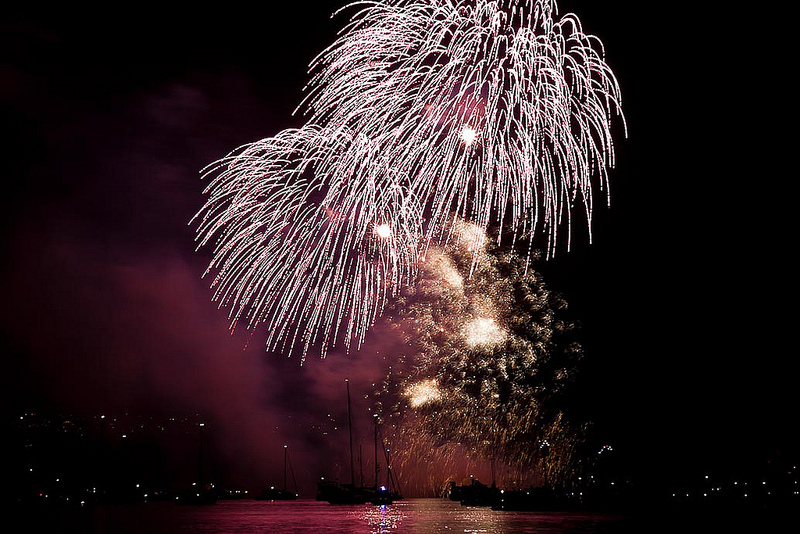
{"x": 492, "y": 110}
{"x": 495, "y": 399}
{"x": 287, "y": 254}
{"x": 534, "y": 96}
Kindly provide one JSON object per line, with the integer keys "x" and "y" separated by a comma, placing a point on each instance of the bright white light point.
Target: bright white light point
{"x": 422, "y": 393}
{"x": 483, "y": 332}
{"x": 383, "y": 230}
{"x": 468, "y": 135}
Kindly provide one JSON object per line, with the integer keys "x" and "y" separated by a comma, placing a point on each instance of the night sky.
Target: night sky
{"x": 684, "y": 295}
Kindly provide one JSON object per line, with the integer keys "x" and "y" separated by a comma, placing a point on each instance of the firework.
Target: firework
{"x": 288, "y": 255}
{"x": 494, "y": 111}
{"x": 422, "y": 393}
{"x": 487, "y": 361}
{"x": 490, "y": 108}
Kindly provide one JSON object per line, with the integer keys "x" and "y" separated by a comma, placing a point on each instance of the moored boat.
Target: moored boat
{"x": 275, "y": 494}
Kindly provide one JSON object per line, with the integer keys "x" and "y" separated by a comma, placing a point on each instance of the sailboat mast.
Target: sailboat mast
{"x": 201, "y": 479}
{"x": 285, "y": 449}
{"x": 375, "y": 418}
{"x": 392, "y": 482}
{"x": 350, "y": 429}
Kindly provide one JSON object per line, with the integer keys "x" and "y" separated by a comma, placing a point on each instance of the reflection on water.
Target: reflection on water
{"x": 412, "y": 516}
{"x": 428, "y": 516}
{"x": 382, "y": 519}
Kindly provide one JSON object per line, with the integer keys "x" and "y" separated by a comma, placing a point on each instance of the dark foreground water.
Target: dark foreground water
{"x": 423, "y": 516}
{"x": 412, "y": 516}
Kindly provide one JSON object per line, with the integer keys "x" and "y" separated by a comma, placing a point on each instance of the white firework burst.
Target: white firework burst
{"x": 489, "y": 110}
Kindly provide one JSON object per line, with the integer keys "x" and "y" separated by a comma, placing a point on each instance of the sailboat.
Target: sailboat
{"x": 200, "y": 492}
{"x": 336, "y": 493}
{"x": 274, "y": 494}
{"x": 384, "y": 494}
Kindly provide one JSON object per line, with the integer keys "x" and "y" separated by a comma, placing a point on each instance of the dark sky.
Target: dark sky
{"x": 684, "y": 296}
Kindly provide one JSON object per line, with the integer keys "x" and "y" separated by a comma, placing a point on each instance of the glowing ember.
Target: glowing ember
{"x": 483, "y": 332}
{"x": 423, "y": 393}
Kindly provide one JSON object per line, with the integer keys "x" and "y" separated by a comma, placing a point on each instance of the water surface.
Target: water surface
{"x": 412, "y": 516}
